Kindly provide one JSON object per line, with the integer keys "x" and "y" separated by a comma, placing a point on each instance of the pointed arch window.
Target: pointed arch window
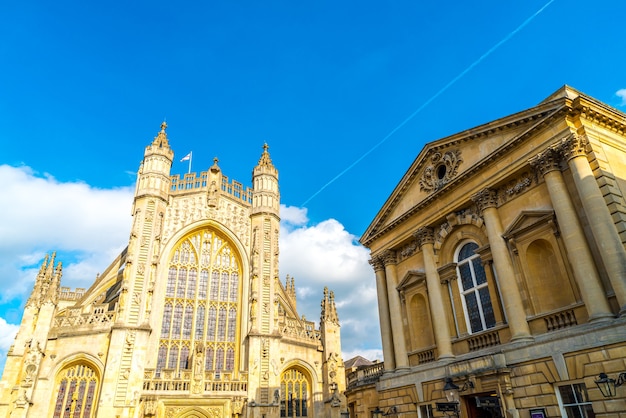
{"x": 77, "y": 388}
{"x": 202, "y": 301}
{"x": 474, "y": 288}
{"x": 294, "y": 393}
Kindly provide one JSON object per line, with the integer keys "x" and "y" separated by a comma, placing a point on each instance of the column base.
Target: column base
{"x": 445, "y": 357}
{"x": 522, "y": 338}
{"x": 604, "y": 317}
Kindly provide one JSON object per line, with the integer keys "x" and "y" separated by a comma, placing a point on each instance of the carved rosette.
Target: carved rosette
{"x": 573, "y": 146}
{"x": 486, "y": 198}
{"x": 377, "y": 263}
{"x": 547, "y": 161}
{"x": 389, "y": 257}
{"x": 424, "y": 235}
{"x": 440, "y": 170}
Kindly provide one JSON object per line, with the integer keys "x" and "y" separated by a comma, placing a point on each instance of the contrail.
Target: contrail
{"x": 427, "y": 102}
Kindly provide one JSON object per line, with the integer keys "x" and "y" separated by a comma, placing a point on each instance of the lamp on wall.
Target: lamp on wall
{"x": 452, "y": 391}
{"x": 608, "y": 385}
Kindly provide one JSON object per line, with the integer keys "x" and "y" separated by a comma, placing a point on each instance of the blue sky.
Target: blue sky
{"x": 85, "y": 86}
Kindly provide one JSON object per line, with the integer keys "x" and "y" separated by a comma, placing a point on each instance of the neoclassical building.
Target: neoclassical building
{"x": 501, "y": 270}
{"x": 190, "y": 320}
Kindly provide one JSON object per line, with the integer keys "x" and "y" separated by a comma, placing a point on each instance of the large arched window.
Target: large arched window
{"x": 474, "y": 289}
{"x": 201, "y": 301}
{"x": 294, "y": 394}
{"x": 77, "y": 388}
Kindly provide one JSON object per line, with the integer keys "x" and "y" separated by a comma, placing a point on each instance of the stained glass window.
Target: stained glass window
{"x": 76, "y": 391}
{"x": 294, "y": 394}
{"x": 201, "y": 303}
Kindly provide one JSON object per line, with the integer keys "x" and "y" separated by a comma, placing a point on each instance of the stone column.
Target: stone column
{"x": 583, "y": 266}
{"x": 395, "y": 312}
{"x": 383, "y": 314}
{"x": 602, "y": 226}
{"x": 425, "y": 238}
{"x": 486, "y": 200}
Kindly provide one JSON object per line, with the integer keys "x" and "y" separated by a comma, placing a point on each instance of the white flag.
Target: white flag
{"x": 186, "y": 157}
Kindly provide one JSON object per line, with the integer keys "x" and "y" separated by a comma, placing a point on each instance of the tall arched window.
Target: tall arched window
{"x": 201, "y": 301}
{"x": 294, "y": 394}
{"x": 77, "y": 388}
{"x": 474, "y": 289}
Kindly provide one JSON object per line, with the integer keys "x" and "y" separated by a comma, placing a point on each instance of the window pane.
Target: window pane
{"x": 479, "y": 271}
{"x": 467, "y": 250}
{"x": 173, "y": 358}
{"x": 187, "y": 322}
{"x": 580, "y": 391}
{"x": 473, "y": 312}
{"x": 567, "y": 394}
{"x": 234, "y": 286}
{"x": 485, "y": 301}
{"x": 202, "y": 286}
{"x": 200, "y": 323}
{"x": 573, "y": 412}
{"x": 182, "y": 281}
{"x": 171, "y": 282}
{"x": 191, "y": 284}
{"x": 466, "y": 276}
{"x": 167, "y": 318}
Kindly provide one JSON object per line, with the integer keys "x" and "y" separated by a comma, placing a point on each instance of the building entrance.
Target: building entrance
{"x": 484, "y": 405}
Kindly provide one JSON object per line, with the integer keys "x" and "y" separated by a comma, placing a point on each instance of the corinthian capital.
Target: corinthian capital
{"x": 424, "y": 235}
{"x": 389, "y": 257}
{"x": 377, "y": 263}
{"x": 546, "y": 161}
{"x": 486, "y": 198}
{"x": 573, "y": 146}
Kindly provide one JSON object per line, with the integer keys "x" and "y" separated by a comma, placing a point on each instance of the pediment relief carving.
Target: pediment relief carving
{"x": 439, "y": 170}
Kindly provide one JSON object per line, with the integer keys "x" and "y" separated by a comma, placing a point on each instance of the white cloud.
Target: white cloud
{"x": 45, "y": 215}
{"x": 7, "y": 335}
{"x": 293, "y": 216}
{"x": 621, "y": 93}
{"x": 326, "y": 254}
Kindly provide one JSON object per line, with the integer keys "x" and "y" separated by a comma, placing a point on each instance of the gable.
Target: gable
{"x": 445, "y": 163}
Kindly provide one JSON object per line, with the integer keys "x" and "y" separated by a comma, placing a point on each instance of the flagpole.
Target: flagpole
{"x": 190, "y": 157}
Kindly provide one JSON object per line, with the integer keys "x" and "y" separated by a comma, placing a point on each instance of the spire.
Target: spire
{"x": 161, "y": 139}
{"x": 48, "y": 283}
{"x": 265, "y": 160}
{"x": 329, "y": 310}
{"x": 34, "y": 298}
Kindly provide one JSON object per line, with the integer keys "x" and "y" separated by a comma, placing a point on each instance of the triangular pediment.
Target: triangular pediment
{"x": 444, "y": 164}
{"x": 412, "y": 278}
{"x": 528, "y": 220}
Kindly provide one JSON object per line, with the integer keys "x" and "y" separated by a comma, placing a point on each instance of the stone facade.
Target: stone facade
{"x": 190, "y": 320}
{"x": 501, "y": 268}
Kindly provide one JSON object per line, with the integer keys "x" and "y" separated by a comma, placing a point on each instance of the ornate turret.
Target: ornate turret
{"x": 266, "y": 197}
{"x": 47, "y": 284}
{"x": 153, "y": 178}
{"x": 332, "y": 368}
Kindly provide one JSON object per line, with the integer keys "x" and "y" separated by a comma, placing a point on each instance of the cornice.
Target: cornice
{"x": 599, "y": 113}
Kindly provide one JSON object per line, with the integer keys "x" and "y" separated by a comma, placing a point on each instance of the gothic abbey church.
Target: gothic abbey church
{"x": 190, "y": 320}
